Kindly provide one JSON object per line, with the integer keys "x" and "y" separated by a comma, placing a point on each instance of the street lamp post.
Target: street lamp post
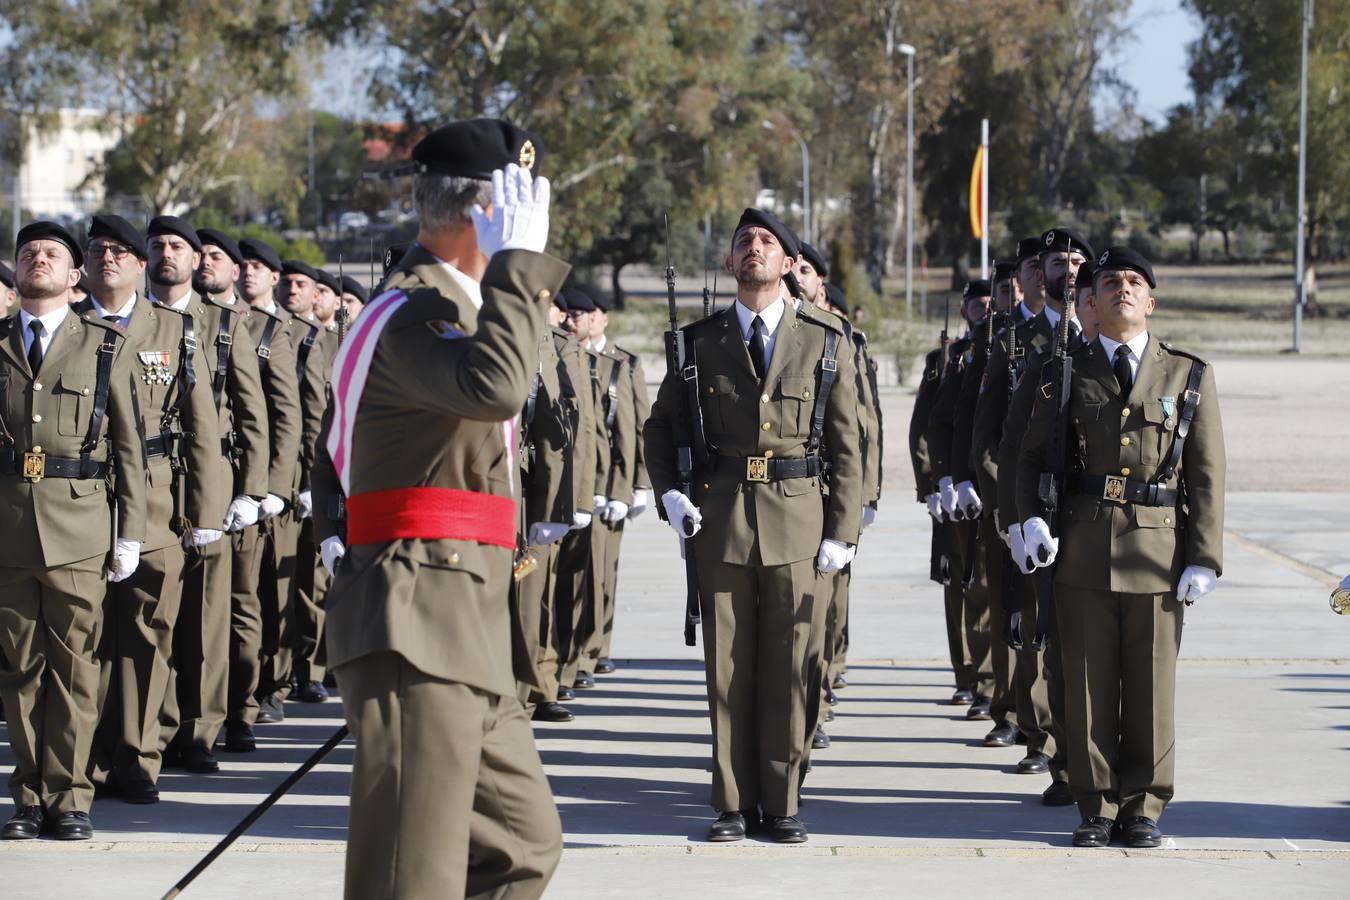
{"x": 908, "y": 50}
{"x": 806, "y": 182}
{"x": 1299, "y": 284}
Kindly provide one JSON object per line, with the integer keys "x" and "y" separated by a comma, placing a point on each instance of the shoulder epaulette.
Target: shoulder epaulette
{"x": 100, "y": 322}
{"x": 1175, "y": 351}
{"x": 718, "y": 316}
{"x": 832, "y": 322}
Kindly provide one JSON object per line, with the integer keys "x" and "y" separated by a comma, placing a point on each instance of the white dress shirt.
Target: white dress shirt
{"x": 1136, "y": 347}
{"x": 600, "y": 344}
{"x": 123, "y": 315}
{"x": 772, "y": 318}
{"x": 1052, "y": 316}
{"x": 50, "y": 323}
{"x": 466, "y": 284}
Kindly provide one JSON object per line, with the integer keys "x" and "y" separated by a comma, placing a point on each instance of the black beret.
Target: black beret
{"x": 577, "y": 299}
{"x": 393, "y": 254}
{"x": 601, "y": 300}
{"x": 1118, "y": 258}
{"x": 174, "y": 225}
{"x": 83, "y": 284}
{"x": 474, "y": 148}
{"x": 560, "y": 301}
{"x": 1028, "y": 248}
{"x": 770, "y": 223}
{"x": 223, "y": 241}
{"x": 299, "y": 267}
{"x": 351, "y": 286}
{"x": 329, "y": 280}
{"x": 251, "y": 248}
{"x": 835, "y": 295}
{"x": 812, "y": 255}
{"x": 6, "y": 276}
{"x": 1064, "y": 240}
{"x": 49, "y": 231}
{"x": 1004, "y": 269}
{"x": 116, "y": 228}
{"x": 1085, "y": 274}
{"x": 975, "y": 289}
{"x": 794, "y": 286}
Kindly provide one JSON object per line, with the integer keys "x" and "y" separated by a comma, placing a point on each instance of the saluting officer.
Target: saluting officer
{"x": 1141, "y": 538}
{"x": 776, "y": 386}
{"x": 8, "y": 296}
{"x": 68, "y": 414}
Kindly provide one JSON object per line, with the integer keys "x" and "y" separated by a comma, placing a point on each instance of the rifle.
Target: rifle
{"x": 341, "y": 312}
{"x": 707, "y": 297}
{"x": 1012, "y": 585}
{"x": 938, "y": 566}
{"x": 680, "y": 363}
{"x": 972, "y": 543}
{"x": 1055, "y": 384}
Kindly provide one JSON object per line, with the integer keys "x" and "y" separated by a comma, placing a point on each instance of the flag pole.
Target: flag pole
{"x": 984, "y": 198}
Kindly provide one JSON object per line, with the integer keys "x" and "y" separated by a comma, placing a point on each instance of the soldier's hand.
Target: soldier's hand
{"x": 1017, "y": 546}
{"x": 271, "y": 505}
{"x": 1041, "y": 547}
{"x": 615, "y": 511}
{"x": 580, "y": 519}
{"x": 832, "y": 556}
{"x": 642, "y": 498}
{"x": 541, "y": 534}
{"x": 242, "y": 513}
{"x": 203, "y": 536}
{"x": 330, "y": 551}
{"x": 968, "y": 500}
{"x": 935, "y": 507}
{"x": 519, "y": 216}
{"x": 304, "y": 504}
{"x": 947, "y": 496}
{"x": 126, "y": 557}
{"x": 1196, "y": 582}
{"x": 680, "y": 508}
{"x": 869, "y": 515}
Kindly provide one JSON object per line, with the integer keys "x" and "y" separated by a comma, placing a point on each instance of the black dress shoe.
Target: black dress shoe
{"x": 604, "y": 666}
{"x": 270, "y": 711}
{"x": 1094, "y": 831}
{"x": 979, "y": 709}
{"x": 73, "y": 826}
{"x": 839, "y": 682}
{"x": 329, "y": 680}
{"x": 962, "y": 697}
{"x": 552, "y": 712}
{"x": 784, "y": 829}
{"x": 293, "y": 695}
{"x": 1021, "y": 738}
{"x": 1057, "y": 794}
{"x": 831, "y": 698}
{"x": 239, "y": 738}
{"x": 584, "y": 681}
{"x": 24, "y": 825}
{"x": 829, "y": 714}
{"x": 1034, "y": 764}
{"x": 566, "y": 693}
{"x": 140, "y": 791}
{"x": 200, "y": 761}
{"x": 1004, "y": 734}
{"x": 1141, "y": 832}
{"x": 821, "y": 740}
{"x": 313, "y": 692}
{"x": 730, "y": 826}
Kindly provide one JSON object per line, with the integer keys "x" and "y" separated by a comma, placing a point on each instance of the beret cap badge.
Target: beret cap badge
{"x": 527, "y": 155}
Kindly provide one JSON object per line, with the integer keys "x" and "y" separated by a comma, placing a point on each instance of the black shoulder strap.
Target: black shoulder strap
{"x": 102, "y": 385}
{"x": 531, "y": 404}
{"x": 1185, "y": 415}
{"x": 829, "y": 367}
{"x": 302, "y": 355}
{"x": 189, "y": 374}
{"x": 612, "y": 393}
{"x": 265, "y": 344}
{"x": 223, "y": 341}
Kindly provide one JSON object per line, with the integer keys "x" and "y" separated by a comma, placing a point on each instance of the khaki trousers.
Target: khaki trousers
{"x": 836, "y": 647}
{"x": 958, "y": 643}
{"x": 572, "y": 597}
{"x": 988, "y": 598}
{"x": 590, "y": 629}
{"x": 449, "y": 797}
{"x": 529, "y": 601}
{"x": 819, "y": 650}
{"x": 1033, "y": 704}
{"x": 276, "y": 589}
{"x": 50, "y": 621}
{"x": 311, "y": 584}
{"x": 245, "y": 625}
{"x": 757, "y": 624}
{"x": 134, "y": 678}
{"x": 195, "y": 704}
{"x": 1120, "y": 667}
{"x": 1054, "y": 684}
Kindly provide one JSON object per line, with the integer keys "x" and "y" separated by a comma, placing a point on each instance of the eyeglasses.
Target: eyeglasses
{"x": 99, "y": 249}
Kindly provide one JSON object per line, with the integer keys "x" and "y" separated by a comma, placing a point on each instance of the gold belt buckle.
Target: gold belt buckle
{"x": 1114, "y": 490}
{"x": 34, "y": 465}
{"x": 757, "y": 469}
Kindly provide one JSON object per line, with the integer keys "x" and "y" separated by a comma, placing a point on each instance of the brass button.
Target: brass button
{"x": 764, "y": 426}
{"x": 454, "y": 557}
{"x": 706, "y": 486}
{"x": 84, "y": 391}
{"x": 806, "y": 395}
{"x": 710, "y": 390}
{"x": 37, "y": 418}
{"x": 1167, "y": 520}
{"x": 763, "y": 398}
{"x": 37, "y": 449}
{"x": 545, "y": 295}
{"x": 768, "y": 454}
{"x": 1125, "y": 411}
{"x": 1124, "y": 470}
{"x": 1124, "y": 442}
{"x": 37, "y": 385}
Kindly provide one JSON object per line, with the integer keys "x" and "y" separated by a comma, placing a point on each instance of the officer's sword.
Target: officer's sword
{"x": 235, "y": 833}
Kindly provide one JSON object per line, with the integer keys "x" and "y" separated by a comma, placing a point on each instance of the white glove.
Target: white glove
{"x": 1196, "y": 582}
{"x": 598, "y": 504}
{"x": 126, "y": 557}
{"x": 615, "y": 511}
{"x": 580, "y": 519}
{"x": 330, "y": 551}
{"x": 642, "y": 498}
{"x": 1017, "y": 546}
{"x": 832, "y": 556}
{"x": 852, "y": 552}
{"x": 947, "y": 496}
{"x": 869, "y": 516}
{"x": 935, "y": 507}
{"x": 519, "y": 213}
{"x": 1036, "y": 534}
{"x": 203, "y": 536}
{"x": 242, "y": 513}
{"x": 968, "y": 499}
{"x": 678, "y": 508}
{"x": 544, "y": 533}
{"x": 304, "y": 504}
{"x": 271, "y": 505}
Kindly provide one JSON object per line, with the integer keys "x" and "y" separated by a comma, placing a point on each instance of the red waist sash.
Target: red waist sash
{"x": 431, "y": 514}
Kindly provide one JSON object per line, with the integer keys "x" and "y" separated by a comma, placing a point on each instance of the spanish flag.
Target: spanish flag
{"x": 977, "y": 189}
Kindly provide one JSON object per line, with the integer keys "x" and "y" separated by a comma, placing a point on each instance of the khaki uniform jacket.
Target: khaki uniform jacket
{"x": 869, "y": 420}
{"x": 431, "y": 415}
{"x": 546, "y": 476}
{"x": 642, "y": 407}
{"x": 614, "y": 377}
{"x": 312, "y": 380}
{"x": 941, "y": 430}
{"x": 243, "y": 404}
{"x": 165, "y": 398}
{"x": 991, "y": 408}
{"x": 1133, "y": 549}
{"x": 783, "y": 521}
{"x": 575, "y": 380}
{"x": 924, "y": 482}
{"x": 283, "y": 400}
{"x": 599, "y": 434}
{"x": 58, "y": 521}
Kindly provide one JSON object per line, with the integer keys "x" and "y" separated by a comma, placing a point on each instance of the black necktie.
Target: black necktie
{"x": 35, "y": 348}
{"x": 757, "y": 332}
{"x": 1122, "y": 370}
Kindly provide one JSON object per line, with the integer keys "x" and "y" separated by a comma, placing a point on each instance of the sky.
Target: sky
{"x": 1154, "y": 61}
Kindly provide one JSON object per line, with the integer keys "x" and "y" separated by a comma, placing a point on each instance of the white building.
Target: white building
{"x": 52, "y": 174}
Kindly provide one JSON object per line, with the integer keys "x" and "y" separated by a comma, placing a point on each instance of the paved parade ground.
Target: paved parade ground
{"x": 906, "y": 803}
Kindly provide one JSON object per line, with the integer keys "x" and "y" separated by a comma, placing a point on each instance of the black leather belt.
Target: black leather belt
{"x": 159, "y": 445}
{"x": 35, "y": 465}
{"x": 1119, "y": 489}
{"x": 764, "y": 469}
